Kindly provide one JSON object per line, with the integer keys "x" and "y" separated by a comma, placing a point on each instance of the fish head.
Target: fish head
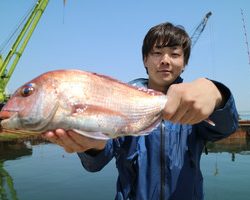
{"x": 32, "y": 106}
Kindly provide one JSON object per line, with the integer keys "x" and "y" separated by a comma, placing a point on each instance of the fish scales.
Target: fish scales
{"x": 94, "y": 105}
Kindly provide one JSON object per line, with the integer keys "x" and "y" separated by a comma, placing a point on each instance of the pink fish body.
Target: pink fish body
{"x": 93, "y": 105}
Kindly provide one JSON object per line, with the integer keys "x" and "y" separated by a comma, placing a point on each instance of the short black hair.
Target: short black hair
{"x": 166, "y": 34}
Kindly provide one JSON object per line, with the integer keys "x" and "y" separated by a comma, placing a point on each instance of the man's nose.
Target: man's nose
{"x": 165, "y": 60}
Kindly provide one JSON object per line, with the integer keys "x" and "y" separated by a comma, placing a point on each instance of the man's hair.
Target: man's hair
{"x": 166, "y": 34}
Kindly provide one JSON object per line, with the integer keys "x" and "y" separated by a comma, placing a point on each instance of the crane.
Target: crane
{"x": 8, "y": 64}
{"x": 200, "y": 28}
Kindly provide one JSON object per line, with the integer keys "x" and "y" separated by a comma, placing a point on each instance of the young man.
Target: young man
{"x": 166, "y": 163}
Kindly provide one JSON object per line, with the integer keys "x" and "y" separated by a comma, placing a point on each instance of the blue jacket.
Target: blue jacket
{"x": 166, "y": 163}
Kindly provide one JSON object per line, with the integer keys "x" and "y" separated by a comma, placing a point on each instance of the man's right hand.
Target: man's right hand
{"x": 73, "y": 142}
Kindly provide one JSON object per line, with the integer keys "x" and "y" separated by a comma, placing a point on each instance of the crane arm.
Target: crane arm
{"x": 200, "y": 28}
{"x": 7, "y": 66}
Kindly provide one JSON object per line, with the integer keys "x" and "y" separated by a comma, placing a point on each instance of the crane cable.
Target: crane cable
{"x": 212, "y": 49}
{"x": 64, "y": 4}
{"x": 4, "y": 45}
{"x": 245, "y": 33}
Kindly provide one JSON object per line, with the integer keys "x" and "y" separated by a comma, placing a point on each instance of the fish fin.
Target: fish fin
{"x": 99, "y": 119}
{"x": 94, "y": 135}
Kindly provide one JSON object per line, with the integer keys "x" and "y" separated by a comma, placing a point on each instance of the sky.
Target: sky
{"x": 106, "y": 37}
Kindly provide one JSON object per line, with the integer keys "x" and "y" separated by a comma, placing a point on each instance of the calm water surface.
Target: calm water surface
{"x": 45, "y": 171}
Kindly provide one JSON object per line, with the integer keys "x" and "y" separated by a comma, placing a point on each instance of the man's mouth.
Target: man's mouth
{"x": 164, "y": 71}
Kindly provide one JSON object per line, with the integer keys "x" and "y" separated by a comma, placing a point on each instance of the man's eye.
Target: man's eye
{"x": 175, "y": 55}
{"x": 156, "y": 53}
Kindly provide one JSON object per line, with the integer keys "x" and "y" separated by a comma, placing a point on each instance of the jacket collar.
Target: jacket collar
{"x": 143, "y": 82}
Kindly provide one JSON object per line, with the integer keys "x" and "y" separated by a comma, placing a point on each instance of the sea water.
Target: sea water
{"x": 45, "y": 171}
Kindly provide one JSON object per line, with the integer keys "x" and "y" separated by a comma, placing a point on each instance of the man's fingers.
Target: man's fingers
{"x": 88, "y": 142}
{"x": 72, "y": 141}
{"x": 172, "y": 104}
{"x": 50, "y": 136}
{"x": 190, "y": 119}
{"x": 62, "y": 138}
{"x": 181, "y": 114}
{"x": 190, "y": 103}
{"x": 68, "y": 143}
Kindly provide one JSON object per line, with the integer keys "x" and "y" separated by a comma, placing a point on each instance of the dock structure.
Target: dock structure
{"x": 243, "y": 130}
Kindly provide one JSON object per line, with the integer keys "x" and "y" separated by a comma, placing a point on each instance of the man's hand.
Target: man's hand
{"x": 191, "y": 103}
{"x": 74, "y": 142}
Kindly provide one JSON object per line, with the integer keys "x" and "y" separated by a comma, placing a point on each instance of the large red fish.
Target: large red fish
{"x": 93, "y": 105}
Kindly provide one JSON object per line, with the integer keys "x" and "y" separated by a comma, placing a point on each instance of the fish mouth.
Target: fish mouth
{"x": 7, "y": 114}
{"x": 9, "y": 119}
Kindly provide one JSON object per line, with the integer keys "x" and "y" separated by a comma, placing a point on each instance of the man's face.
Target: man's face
{"x": 164, "y": 65}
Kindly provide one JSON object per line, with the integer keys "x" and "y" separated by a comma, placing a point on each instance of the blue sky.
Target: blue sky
{"x": 106, "y": 37}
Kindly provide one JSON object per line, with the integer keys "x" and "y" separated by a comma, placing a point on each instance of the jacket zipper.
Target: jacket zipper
{"x": 162, "y": 161}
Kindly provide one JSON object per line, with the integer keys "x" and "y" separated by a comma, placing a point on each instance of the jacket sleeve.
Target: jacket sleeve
{"x": 225, "y": 118}
{"x": 97, "y": 162}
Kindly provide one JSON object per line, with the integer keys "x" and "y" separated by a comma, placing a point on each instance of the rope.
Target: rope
{"x": 4, "y": 45}
{"x": 245, "y": 33}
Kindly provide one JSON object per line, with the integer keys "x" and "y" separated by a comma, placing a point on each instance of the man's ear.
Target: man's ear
{"x": 144, "y": 61}
{"x": 183, "y": 69}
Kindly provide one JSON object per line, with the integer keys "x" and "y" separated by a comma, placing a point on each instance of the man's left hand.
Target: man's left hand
{"x": 191, "y": 103}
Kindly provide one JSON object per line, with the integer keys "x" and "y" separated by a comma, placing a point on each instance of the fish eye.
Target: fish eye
{"x": 27, "y": 90}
